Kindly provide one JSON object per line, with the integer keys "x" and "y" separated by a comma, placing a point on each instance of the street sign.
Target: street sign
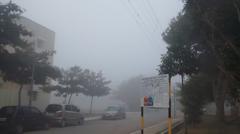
{"x": 158, "y": 90}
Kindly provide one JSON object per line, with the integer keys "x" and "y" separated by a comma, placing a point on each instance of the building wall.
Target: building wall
{"x": 9, "y": 94}
{"x": 43, "y": 40}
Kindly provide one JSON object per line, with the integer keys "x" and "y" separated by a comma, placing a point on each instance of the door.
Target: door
{"x": 29, "y": 120}
{"x": 68, "y": 113}
{"x": 38, "y": 116}
{"x": 76, "y": 114}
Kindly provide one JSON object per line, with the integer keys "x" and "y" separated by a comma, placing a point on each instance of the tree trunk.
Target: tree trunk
{"x": 236, "y": 5}
{"x": 31, "y": 88}
{"x": 20, "y": 95}
{"x": 219, "y": 87}
{"x": 91, "y": 105}
{"x": 70, "y": 97}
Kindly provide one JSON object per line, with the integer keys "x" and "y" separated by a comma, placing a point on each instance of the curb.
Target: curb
{"x": 92, "y": 118}
{"x": 176, "y": 126}
{"x": 157, "y": 128}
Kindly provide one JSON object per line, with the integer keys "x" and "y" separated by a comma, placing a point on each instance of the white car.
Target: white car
{"x": 63, "y": 115}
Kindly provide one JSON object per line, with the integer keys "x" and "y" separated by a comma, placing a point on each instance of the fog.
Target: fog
{"x": 120, "y": 37}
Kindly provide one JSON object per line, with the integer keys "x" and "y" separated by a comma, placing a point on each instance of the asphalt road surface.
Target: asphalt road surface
{"x": 125, "y": 126}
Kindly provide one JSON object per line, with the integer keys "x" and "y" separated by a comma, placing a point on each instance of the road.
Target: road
{"x": 130, "y": 124}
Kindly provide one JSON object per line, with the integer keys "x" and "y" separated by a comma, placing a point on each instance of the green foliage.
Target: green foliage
{"x": 19, "y": 61}
{"x": 71, "y": 81}
{"x": 204, "y": 38}
{"x": 196, "y": 93}
{"x": 180, "y": 57}
{"x": 96, "y": 84}
{"x": 76, "y": 80}
{"x": 11, "y": 33}
{"x": 17, "y": 56}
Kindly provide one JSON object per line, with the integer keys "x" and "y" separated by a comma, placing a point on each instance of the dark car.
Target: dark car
{"x": 114, "y": 112}
{"x": 63, "y": 115}
{"x": 14, "y": 120}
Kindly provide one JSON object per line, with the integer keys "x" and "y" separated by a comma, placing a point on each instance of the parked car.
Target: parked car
{"x": 63, "y": 115}
{"x": 114, "y": 112}
{"x": 14, "y": 120}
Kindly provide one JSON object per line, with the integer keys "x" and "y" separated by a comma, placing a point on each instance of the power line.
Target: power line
{"x": 144, "y": 10}
{"x": 137, "y": 21}
{"x": 140, "y": 19}
{"x": 153, "y": 11}
{"x": 151, "y": 16}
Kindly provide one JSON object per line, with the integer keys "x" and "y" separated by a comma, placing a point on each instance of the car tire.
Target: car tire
{"x": 63, "y": 123}
{"x": 18, "y": 129}
{"x": 124, "y": 116}
{"x": 46, "y": 126}
{"x": 81, "y": 121}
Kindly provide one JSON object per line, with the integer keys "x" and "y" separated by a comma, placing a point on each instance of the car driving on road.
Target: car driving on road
{"x": 114, "y": 112}
{"x": 15, "y": 119}
{"x": 63, "y": 115}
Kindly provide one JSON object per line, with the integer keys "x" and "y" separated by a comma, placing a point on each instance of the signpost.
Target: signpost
{"x": 159, "y": 96}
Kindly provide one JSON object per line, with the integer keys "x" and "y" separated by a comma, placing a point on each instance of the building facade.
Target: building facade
{"x": 43, "y": 40}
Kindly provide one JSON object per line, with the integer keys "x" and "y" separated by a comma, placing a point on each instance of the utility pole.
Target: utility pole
{"x": 142, "y": 119}
{"x": 170, "y": 107}
{"x": 174, "y": 95}
{"x": 32, "y": 86}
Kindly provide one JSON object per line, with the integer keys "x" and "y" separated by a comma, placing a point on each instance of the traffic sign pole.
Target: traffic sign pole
{"x": 170, "y": 107}
{"x": 142, "y": 119}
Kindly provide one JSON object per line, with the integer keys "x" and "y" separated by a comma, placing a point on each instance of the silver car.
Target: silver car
{"x": 63, "y": 115}
{"x": 114, "y": 112}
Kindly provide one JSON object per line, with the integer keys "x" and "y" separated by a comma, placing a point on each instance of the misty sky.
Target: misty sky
{"x": 120, "y": 37}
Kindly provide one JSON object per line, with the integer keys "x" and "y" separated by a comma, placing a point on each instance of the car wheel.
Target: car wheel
{"x": 81, "y": 121}
{"x": 19, "y": 129}
{"x": 46, "y": 126}
{"x": 63, "y": 123}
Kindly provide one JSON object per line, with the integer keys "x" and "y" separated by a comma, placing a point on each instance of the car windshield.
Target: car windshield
{"x": 7, "y": 111}
{"x": 53, "y": 108}
{"x": 112, "y": 108}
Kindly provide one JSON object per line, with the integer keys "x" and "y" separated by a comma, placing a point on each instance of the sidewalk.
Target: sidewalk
{"x": 90, "y": 117}
{"x": 156, "y": 128}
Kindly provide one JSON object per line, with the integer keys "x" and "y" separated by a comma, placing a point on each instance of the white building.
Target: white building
{"x": 42, "y": 39}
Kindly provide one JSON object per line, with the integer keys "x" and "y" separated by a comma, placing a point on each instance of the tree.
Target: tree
{"x": 17, "y": 55}
{"x": 130, "y": 92}
{"x": 206, "y": 32}
{"x": 179, "y": 59}
{"x": 71, "y": 82}
{"x": 11, "y": 33}
{"x": 96, "y": 85}
{"x": 197, "y": 92}
{"x": 20, "y": 70}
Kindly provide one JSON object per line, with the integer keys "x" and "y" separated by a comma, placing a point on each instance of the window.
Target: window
{"x": 7, "y": 111}
{"x": 74, "y": 108}
{"x": 27, "y": 111}
{"x": 53, "y": 108}
{"x": 35, "y": 111}
{"x": 68, "y": 107}
{"x": 40, "y": 43}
